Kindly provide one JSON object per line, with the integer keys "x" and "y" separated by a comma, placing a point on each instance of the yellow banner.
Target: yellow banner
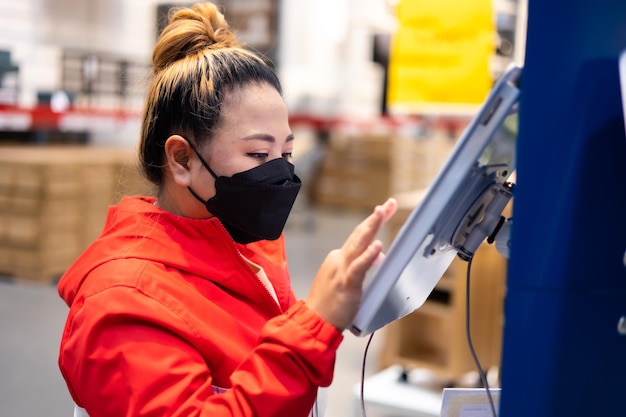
{"x": 440, "y": 55}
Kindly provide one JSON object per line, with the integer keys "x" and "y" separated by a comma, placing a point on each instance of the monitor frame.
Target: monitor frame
{"x": 472, "y": 184}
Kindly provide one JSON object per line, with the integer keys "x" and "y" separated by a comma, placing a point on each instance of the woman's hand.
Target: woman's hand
{"x": 338, "y": 285}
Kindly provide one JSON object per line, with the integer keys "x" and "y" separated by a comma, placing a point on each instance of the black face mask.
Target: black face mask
{"x": 254, "y": 205}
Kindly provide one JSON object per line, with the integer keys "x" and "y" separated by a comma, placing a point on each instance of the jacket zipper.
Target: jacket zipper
{"x": 275, "y": 302}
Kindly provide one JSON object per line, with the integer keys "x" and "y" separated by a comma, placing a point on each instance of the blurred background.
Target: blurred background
{"x": 378, "y": 91}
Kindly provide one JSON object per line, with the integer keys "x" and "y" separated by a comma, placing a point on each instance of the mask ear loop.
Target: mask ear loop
{"x": 204, "y": 163}
{"x": 200, "y": 199}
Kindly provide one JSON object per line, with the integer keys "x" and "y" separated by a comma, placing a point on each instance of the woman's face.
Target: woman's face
{"x": 253, "y": 129}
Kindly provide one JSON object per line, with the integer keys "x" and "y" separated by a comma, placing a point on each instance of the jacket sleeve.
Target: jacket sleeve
{"x": 120, "y": 361}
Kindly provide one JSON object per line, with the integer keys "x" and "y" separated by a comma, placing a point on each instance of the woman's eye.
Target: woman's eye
{"x": 287, "y": 155}
{"x": 258, "y": 155}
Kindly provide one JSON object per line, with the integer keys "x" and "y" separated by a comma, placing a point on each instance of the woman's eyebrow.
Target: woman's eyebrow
{"x": 266, "y": 137}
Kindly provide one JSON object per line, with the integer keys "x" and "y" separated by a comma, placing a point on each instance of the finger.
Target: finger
{"x": 371, "y": 225}
{"x": 389, "y": 208}
{"x": 363, "y": 262}
{"x": 379, "y": 259}
{"x": 363, "y": 235}
{"x": 365, "y": 232}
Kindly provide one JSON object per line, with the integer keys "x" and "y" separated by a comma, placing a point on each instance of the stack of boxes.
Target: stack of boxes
{"x": 362, "y": 169}
{"x": 53, "y": 203}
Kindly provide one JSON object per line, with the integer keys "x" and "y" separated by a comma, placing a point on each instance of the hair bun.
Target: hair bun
{"x": 191, "y": 31}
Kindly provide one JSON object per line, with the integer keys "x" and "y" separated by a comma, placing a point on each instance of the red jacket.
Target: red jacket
{"x": 165, "y": 313}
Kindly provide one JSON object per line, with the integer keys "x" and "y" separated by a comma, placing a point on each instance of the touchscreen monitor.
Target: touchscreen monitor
{"x": 461, "y": 208}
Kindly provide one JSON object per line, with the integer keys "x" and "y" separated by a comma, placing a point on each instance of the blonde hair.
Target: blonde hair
{"x": 197, "y": 60}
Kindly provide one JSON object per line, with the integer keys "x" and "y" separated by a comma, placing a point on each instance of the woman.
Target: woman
{"x": 183, "y": 306}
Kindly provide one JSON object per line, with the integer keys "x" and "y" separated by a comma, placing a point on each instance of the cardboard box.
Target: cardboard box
{"x": 362, "y": 170}
{"x": 54, "y": 201}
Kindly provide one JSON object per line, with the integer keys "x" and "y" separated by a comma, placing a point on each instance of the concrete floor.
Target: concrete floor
{"x": 31, "y": 322}
{"x": 32, "y": 317}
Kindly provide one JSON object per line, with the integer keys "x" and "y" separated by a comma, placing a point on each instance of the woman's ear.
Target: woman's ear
{"x": 177, "y": 154}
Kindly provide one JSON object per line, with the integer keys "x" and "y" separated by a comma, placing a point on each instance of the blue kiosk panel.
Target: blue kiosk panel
{"x": 566, "y": 291}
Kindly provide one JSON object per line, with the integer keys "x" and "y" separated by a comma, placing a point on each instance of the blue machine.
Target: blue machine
{"x": 564, "y": 348}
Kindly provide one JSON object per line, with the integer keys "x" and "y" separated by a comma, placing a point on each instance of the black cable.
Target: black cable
{"x": 481, "y": 372}
{"x": 367, "y": 346}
